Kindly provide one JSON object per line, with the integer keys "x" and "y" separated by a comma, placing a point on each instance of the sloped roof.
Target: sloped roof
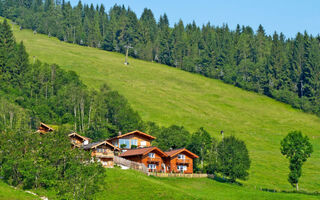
{"x": 78, "y": 135}
{"x": 177, "y": 151}
{"x": 45, "y": 126}
{"x": 133, "y": 132}
{"x": 142, "y": 151}
{"x": 96, "y": 144}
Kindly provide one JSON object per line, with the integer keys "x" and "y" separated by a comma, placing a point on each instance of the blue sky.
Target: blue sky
{"x": 287, "y": 16}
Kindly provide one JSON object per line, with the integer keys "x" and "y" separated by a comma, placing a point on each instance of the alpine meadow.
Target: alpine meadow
{"x": 170, "y": 96}
{"x": 168, "y": 100}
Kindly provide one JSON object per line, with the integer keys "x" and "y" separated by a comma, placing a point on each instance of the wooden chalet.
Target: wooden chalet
{"x": 43, "y": 128}
{"x": 151, "y": 157}
{"x": 103, "y": 151}
{"x": 134, "y": 139}
{"x": 180, "y": 161}
{"x": 78, "y": 140}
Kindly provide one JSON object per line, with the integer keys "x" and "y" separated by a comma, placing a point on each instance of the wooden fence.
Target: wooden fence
{"x": 181, "y": 175}
{"x": 130, "y": 164}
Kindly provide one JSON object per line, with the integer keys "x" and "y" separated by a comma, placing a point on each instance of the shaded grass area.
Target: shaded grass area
{"x": 169, "y": 96}
{"x": 9, "y": 193}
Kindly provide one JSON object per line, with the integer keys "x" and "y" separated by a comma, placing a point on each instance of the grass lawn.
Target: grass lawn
{"x": 9, "y": 193}
{"x": 169, "y": 96}
{"x": 144, "y": 187}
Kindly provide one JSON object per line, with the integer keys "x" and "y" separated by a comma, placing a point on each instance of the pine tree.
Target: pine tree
{"x": 164, "y": 42}
{"x": 7, "y": 51}
{"x": 307, "y": 79}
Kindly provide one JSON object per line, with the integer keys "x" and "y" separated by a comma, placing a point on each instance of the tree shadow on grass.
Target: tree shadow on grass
{"x": 225, "y": 180}
{"x": 316, "y": 193}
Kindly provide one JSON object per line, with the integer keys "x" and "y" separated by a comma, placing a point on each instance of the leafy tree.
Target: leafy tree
{"x": 173, "y": 137}
{"x": 233, "y": 158}
{"x": 297, "y": 148}
{"x": 31, "y": 160}
{"x": 200, "y": 144}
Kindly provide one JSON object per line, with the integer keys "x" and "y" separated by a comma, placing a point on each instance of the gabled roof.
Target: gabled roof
{"x": 142, "y": 151}
{"x": 96, "y": 144}
{"x": 45, "y": 126}
{"x": 177, "y": 151}
{"x": 133, "y": 132}
{"x": 78, "y": 135}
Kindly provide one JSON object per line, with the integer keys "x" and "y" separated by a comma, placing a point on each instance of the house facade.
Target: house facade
{"x": 103, "y": 151}
{"x": 78, "y": 140}
{"x": 134, "y": 139}
{"x": 43, "y": 128}
{"x": 151, "y": 157}
{"x": 180, "y": 161}
{"x": 136, "y": 146}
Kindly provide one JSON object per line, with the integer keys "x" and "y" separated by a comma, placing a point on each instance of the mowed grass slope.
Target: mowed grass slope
{"x": 169, "y": 96}
{"x": 9, "y": 193}
{"x": 128, "y": 184}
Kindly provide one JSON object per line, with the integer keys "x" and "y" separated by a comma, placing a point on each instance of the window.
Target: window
{"x": 182, "y": 168}
{"x": 99, "y": 150}
{"x": 152, "y": 166}
{"x": 151, "y": 155}
{"x": 143, "y": 143}
{"x": 115, "y": 143}
{"x": 181, "y": 156}
{"x": 134, "y": 142}
{"x": 124, "y": 141}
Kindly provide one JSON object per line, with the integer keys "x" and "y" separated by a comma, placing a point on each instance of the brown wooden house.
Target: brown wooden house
{"x": 78, "y": 140}
{"x": 43, "y": 128}
{"x": 103, "y": 151}
{"x": 151, "y": 157}
{"x": 180, "y": 161}
{"x": 134, "y": 139}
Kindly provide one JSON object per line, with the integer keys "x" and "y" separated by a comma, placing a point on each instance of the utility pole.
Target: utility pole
{"x": 128, "y": 46}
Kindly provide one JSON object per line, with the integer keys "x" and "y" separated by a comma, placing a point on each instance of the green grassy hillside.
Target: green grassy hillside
{"x": 9, "y": 193}
{"x": 133, "y": 185}
{"x": 143, "y": 187}
{"x": 171, "y": 96}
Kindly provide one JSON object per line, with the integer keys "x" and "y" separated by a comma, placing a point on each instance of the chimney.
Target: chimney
{"x": 119, "y": 133}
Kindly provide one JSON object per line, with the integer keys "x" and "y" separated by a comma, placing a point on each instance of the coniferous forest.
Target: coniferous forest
{"x": 287, "y": 69}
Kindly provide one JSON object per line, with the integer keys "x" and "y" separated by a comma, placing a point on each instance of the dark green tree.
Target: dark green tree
{"x": 233, "y": 158}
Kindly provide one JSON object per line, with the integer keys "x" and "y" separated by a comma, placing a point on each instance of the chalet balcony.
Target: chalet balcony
{"x": 76, "y": 143}
{"x": 154, "y": 160}
{"x": 103, "y": 155}
{"x": 183, "y": 161}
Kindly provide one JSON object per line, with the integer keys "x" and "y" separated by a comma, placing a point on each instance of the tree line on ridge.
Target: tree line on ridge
{"x": 287, "y": 69}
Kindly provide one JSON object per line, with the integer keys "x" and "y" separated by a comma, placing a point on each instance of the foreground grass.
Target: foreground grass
{"x": 9, "y": 193}
{"x": 127, "y": 184}
{"x": 133, "y": 185}
{"x": 169, "y": 96}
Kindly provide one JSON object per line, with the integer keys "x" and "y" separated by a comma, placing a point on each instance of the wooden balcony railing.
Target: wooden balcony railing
{"x": 184, "y": 161}
{"x": 103, "y": 155}
{"x": 154, "y": 160}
